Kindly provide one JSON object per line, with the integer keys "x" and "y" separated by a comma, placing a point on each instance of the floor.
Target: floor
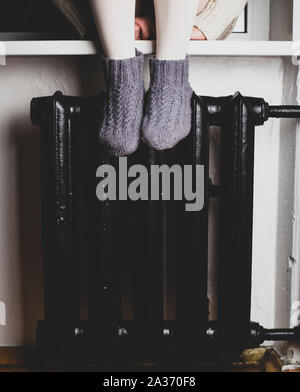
{"x": 21, "y": 360}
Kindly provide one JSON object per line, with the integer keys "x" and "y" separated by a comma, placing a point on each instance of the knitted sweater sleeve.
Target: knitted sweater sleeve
{"x": 218, "y": 18}
{"x": 77, "y": 13}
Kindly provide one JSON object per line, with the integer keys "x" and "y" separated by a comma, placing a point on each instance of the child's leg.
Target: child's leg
{"x": 121, "y": 116}
{"x": 115, "y": 24}
{"x": 174, "y": 25}
{"x": 167, "y": 117}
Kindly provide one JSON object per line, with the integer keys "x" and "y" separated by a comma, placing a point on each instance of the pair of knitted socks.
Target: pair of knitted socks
{"x": 162, "y": 122}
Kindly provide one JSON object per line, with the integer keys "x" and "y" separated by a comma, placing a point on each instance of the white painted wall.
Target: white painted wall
{"x": 20, "y": 239}
{"x": 20, "y": 217}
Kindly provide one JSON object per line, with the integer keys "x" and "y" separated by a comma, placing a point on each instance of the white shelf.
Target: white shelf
{"x": 196, "y": 48}
{"x": 49, "y": 48}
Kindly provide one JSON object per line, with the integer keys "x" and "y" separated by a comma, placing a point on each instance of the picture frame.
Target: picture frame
{"x": 254, "y": 23}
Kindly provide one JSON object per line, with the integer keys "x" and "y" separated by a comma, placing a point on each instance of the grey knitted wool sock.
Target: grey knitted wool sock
{"x": 167, "y": 118}
{"x": 122, "y": 112}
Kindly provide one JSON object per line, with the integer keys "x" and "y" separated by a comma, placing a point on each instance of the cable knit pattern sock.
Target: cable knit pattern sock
{"x": 122, "y": 113}
{"x": 167, "y": 117}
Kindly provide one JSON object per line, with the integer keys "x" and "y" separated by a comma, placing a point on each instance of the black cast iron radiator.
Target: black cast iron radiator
{"x": 115, "y": 238}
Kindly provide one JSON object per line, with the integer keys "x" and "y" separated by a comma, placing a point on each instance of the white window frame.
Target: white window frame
{"x": 296, "y": 24}
{"x": 2, "y": 314}
{"x": 257, "y": 23}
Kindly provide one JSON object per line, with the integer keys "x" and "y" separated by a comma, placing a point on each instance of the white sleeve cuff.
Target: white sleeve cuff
{"x": 218, "y": 18}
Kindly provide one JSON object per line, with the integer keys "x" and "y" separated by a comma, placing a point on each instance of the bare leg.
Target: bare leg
{"x": 167, "y": 117}
{"x": 174, "y": 24}
{"x": 115, "y": 24}
{"x": 121, "y": 114}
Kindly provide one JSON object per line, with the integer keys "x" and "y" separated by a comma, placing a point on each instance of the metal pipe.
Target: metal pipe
{"x": 148, "y": 274}
{"x": 192, "y": 236}
{"x": 286, "y": 334}
{"x": 170, "y": 334}
{"x": 106, "y": 253}
{"x": 237, "y": 172}
{"x": 59, "y": 206}
{"x": 287, "y": 111}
